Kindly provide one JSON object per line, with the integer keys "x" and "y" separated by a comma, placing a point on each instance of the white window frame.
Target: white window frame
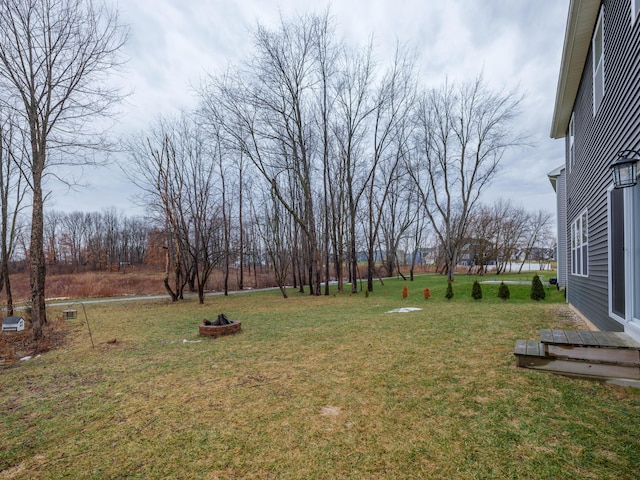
{"x": 597, "y": 45}
{"x": 572, "y": 135}
{"x": 580, "y": 245}
{"x": 635, "y": 11}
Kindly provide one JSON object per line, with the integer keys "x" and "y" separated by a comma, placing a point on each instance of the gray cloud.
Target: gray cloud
{"x": 514, "y": 44}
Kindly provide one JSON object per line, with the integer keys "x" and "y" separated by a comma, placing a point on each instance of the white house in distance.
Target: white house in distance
{"x": 597, "y": 113}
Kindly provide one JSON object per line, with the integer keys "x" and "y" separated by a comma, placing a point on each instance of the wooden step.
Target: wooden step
{"x": 586, "y": 338}
{"x": 534, "y": 355}
{"x": 606, "y": 347}
{"x": 594, "y": 354}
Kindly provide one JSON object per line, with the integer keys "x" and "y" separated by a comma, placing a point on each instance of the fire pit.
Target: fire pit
{"x": 219, "y": 327}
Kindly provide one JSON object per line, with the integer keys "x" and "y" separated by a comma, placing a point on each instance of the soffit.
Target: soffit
{"x": 577, "y": 40}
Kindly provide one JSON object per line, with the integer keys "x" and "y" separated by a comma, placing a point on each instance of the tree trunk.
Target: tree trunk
{"x": 37, "y": 267}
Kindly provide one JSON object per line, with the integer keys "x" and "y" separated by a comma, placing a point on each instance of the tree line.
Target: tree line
{"x": 309, "y": 155}
{"x": 332, "y": 156}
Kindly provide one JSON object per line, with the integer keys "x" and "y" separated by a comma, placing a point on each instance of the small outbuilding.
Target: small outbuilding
{"x": 13, "y": 324}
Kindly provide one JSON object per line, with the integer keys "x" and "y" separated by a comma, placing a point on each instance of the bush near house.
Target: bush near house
{"x": 537, "y": 290}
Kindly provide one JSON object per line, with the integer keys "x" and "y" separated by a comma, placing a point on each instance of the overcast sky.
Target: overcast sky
{"x": 514, "y": 43}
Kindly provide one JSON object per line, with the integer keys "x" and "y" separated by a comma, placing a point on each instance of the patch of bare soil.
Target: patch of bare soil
{"x": 567, "y": 319}
{"x": 17, "y": 345}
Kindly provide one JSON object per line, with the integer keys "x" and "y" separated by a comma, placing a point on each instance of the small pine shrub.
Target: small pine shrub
{"x": 449, "y": 294}
{"x": 476, "y": 290}
{"x": 405, "y": 292}
{"x": 427, "y": 293}
{"x": 537, "y": 290}
{"x": 366, "y": 293}
{"x": 503, "y": 291}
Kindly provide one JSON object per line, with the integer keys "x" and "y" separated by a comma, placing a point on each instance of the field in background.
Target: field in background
{"x": 137, "y": 281}
{"x": 132, "y": 281}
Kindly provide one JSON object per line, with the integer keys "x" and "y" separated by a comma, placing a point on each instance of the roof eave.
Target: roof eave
{"x": 553, "y": 176}
{"x": 577, "y": 41}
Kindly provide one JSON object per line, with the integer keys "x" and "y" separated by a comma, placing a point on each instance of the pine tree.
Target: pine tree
{"x": 537, "y": 290}
{"x": 503, "y": 291}
{"x": 427, "y": 293}
{"x": 476, "y": 290}
{"x": 449, "y": 293}
{"x": 405, "y": 292}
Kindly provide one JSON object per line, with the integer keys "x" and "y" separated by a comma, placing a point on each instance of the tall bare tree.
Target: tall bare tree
{"x": 155, "y": 168}
{"x": 464, "y": 131}
{"x": 55, "y": 57}
{"x": 393, "y": 102}
{"x": 354, "y": 106}
{"x": 12, "y": 195}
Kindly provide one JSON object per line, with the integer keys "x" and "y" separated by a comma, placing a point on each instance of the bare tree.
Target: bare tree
{"x": 482, "y": 238}
{"x": 267, "y": 109}
{"x": 537, "y": 232}
{"x": 389, "y": 136}
{"x": 12, "y": 195}
{"x": 354, "y": 105}
{"x": 155, "y": 169}
{"x": 463, "y": 132}
{"x": 176, "y": 168}
{"x": 273, "y": 229}
{"x": 511, "y": 223}
{"x": 55, "y": 56}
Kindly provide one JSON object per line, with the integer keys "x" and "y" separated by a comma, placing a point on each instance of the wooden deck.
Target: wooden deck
{"x": 588, "y": 338}
{"x": 608, "y": 356}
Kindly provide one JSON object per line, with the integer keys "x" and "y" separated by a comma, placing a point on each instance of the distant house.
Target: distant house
{"x": 597, "y": 113}
{"x": 13, "y": 324}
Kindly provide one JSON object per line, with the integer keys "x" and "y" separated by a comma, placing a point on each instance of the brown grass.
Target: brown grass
{"x": 135, "y": 281}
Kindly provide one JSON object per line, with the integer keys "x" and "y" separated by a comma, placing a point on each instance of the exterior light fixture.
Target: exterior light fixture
{"x": 625, "y": 168}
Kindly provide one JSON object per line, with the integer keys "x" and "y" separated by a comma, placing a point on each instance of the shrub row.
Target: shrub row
{"x": 537, "y": 291}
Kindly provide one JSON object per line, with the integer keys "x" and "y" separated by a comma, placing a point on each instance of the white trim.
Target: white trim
{"x": 630, "y": 216}
{"x": 633, "y": 331}
{"x": 577, "y": 42}
{"x": 629, "y": 268}
{"x": 599, "y": 69}
{"x": 614, "y": 316}
{"x": 572, "y": 141}
{"x": 580, "y": 228}
{"x": 629, "y": 321}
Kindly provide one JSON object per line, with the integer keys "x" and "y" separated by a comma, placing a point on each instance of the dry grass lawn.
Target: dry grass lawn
{"x": 313, "y": 388}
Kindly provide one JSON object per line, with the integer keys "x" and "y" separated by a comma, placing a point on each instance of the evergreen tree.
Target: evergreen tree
{"x": 537, "y": 290}
{"x": 449, "y": 293}
{"x": 503, "y": 291}
{"x": 476, "y": 290}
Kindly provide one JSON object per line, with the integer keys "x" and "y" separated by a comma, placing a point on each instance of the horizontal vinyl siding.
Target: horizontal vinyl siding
{"x": 561, "y": 195}
{"x": 615, "y": 126}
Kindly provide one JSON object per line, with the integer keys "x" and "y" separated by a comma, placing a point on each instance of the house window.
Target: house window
{"x": 571, "y": 143}
{"x": 597, "y": 47}
{"x": 580, "y": 246}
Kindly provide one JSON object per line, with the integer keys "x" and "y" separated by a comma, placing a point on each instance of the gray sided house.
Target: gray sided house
{"x": 597, "y": 112}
